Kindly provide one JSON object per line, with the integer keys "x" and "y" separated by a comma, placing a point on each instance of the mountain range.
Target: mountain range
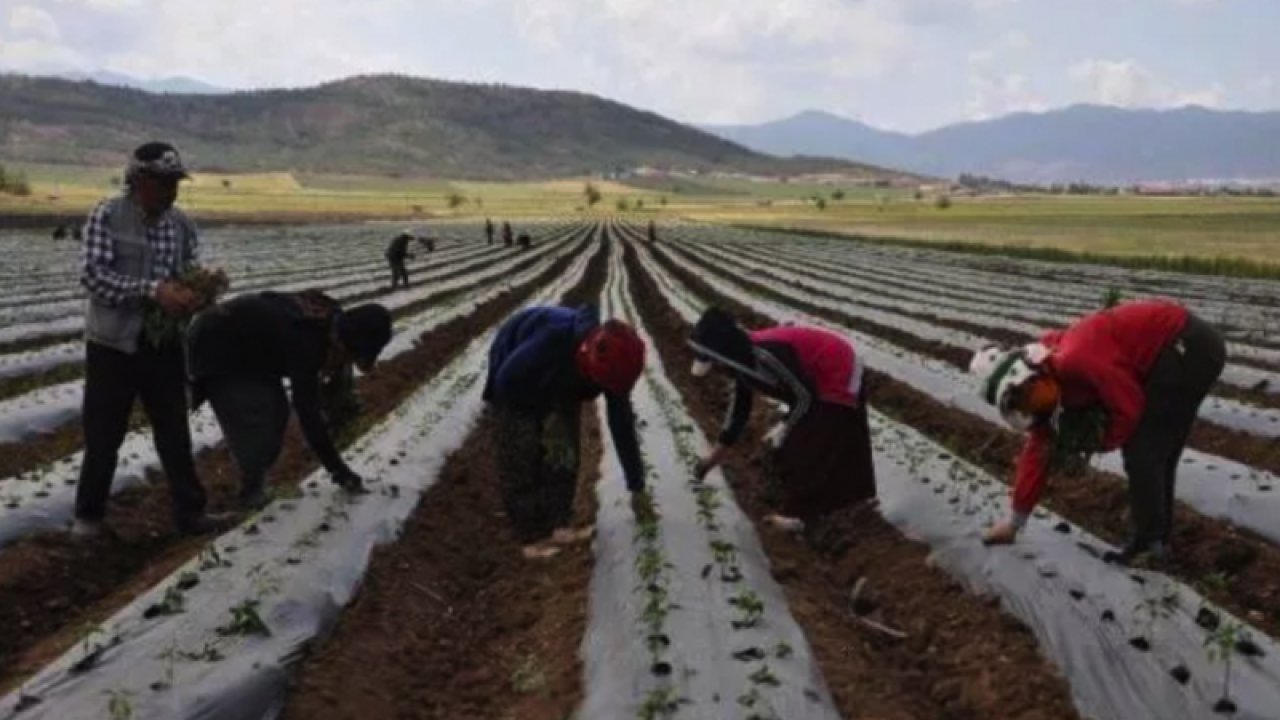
{"x": 375, "y": 124}
{"x": 1089, "y": 143}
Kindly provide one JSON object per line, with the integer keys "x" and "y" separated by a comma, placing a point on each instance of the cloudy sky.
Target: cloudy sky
{"x": 901, "y": 64}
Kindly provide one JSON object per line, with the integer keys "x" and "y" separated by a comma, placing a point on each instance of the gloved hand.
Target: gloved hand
{"x": 710, "y": 462}
{"x": 349, "y": 481}
{"x": 777, "y": 436}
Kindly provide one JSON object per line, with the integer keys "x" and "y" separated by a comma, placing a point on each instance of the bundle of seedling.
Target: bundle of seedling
{"x": 207, "y": 285}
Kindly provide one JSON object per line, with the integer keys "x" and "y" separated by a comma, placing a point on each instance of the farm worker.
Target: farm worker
{"x": 240, "y": 352}
{"x": 397, "y": 253}
{"x": 524, "y": 241}
{"x": 653, "y": 232}
{"x": 1147, "y": 365}
{"x": 135, "y": 245}
{"x": 543, "y": 365}
{"x": 822, "y": 450}
{"x": 488, "y": 231}
{"x": 507, "y": 238}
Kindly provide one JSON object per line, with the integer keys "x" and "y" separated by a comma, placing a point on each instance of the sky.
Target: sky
{"x": 907, "y": 65}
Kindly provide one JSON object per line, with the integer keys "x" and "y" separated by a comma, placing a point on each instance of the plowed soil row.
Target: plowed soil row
{"x": 1260, "y": 452}
{"x": 20, "y": 457}
{"x": 1203, "y": 547}
{"x": 452, "y": 622}
{"x": 51, "y": 586}
{"x": 963, "y": 657}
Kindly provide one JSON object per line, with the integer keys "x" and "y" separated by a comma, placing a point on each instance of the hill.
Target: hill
{"x": 1083, "y": 142}
{"x": 381, "y": 124}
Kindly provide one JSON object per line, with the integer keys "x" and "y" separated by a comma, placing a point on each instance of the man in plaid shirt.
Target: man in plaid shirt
{"x": 134, "y": 245}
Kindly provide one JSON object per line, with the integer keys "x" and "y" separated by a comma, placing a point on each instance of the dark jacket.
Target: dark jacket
{"x": 271, "y": 334}
{"x": 398, "y": 250}
{"x": 532, "y": 368}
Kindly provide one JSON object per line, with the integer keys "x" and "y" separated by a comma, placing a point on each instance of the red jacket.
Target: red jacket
{"x": 1102, "y": 358}
{"x": 828, "y": 360}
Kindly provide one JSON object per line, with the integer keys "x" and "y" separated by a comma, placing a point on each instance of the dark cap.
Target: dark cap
{"x": 158, "y": 159}
{"x": 364, "y": 331}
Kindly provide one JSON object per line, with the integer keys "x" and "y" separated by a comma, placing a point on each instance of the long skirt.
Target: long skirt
{"x": 825, "y": 464}
{"x": 538, "y": 468}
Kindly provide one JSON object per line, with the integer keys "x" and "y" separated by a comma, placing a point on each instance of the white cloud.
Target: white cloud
{"x": 1126, "y": 83}
{"x": 32, "y": 23}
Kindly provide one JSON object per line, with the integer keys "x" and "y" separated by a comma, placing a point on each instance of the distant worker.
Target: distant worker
{"x": 822, "y": 458}
{"x": 543, "y": 365}
{"x": 135, "y": 247}
{"x": 427, "y": 243}
{"x": 1146, "y": 366}
{"x": 60, "y": 232}
{"x": 653, "y": 232}
{"x": 507, "y": 239}
{"x": 397, "y": 253}
{"x": 524, "y": 241}
{"x": 243, "y": 349}
{"x": 488, "y": 231}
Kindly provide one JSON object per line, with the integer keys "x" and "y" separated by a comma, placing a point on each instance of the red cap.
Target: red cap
{"x": 612, "y": 356}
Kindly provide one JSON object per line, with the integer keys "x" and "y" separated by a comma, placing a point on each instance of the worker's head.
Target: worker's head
{"x": 612, "y": 357}
{"x": 1017, "y": 382}
{"x": 362, "y": 332}
{"x": 718, "y": 341}
{"x": 153, "y": 174}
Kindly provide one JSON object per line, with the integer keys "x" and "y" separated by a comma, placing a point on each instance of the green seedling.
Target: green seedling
{"x": 211, "y": 558}
{"x": 750, "y": 608}
{"x": 659, "y": 704}
{"x": 173, "y": 603}
{"x": 764, "y": 676}
{"x": 1220, "y": 646}
{"x": 783, "y": 651}
{"x": 245, "y": 620}
{"x": 119, "y": 705}
{"x": 528, "y": 676}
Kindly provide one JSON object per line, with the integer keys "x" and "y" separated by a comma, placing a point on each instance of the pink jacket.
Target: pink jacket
{"x": 828, "y": 360}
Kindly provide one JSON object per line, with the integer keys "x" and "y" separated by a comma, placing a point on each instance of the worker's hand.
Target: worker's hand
{"x": 785, "y": 523}
{"x": 349, "y": 481}
{"x": 1002, "y": 533}
{"x": 710, "y": 462}
{"x": 175, "y": 298}
{"x": 776, "y": 436}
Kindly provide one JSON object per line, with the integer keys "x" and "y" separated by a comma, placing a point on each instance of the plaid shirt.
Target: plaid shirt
{"x": 112, "y": 288}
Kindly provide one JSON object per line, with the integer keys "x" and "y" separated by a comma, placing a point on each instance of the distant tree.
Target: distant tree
{"x": 943, "y": 202}
{"x": 838, "y": 195}
{"x": 455, "y": 200}
{"x": 18, "y": 185}
{"x": 592, "y": 194}
{"x": 115, "y": 181}
{"x": 821, "y": 203}
{"x": 226, "y": 183}
{"x": 623, "y": 205}
{"x": 640, "y": 203}
{"x": 919, "y": 194}
{"x": 662, "y": 201}
{"x": 479, "y": 201}
{"x": 4, "y": 182}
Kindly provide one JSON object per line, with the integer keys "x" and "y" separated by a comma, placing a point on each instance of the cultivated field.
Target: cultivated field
{"x": 413, "y": 601}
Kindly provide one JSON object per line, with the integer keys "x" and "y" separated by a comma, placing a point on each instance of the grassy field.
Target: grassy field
{"x": 1128, "y": 226}
{"x": 1131, "y": 227}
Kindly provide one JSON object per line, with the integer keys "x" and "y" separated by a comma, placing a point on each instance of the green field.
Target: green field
{"x": 1246, "y": 229}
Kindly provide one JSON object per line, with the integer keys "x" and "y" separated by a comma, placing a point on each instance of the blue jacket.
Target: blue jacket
{"x": 532, "y": 369}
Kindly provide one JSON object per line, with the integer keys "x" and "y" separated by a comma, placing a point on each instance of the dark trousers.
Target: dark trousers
{"x": 253, "y": 413}
{"x": 1176, "y": 386}
{"x": 399, "y": 273}
{"x": 112, "y": 381}
{"x": 538, "y": 468}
